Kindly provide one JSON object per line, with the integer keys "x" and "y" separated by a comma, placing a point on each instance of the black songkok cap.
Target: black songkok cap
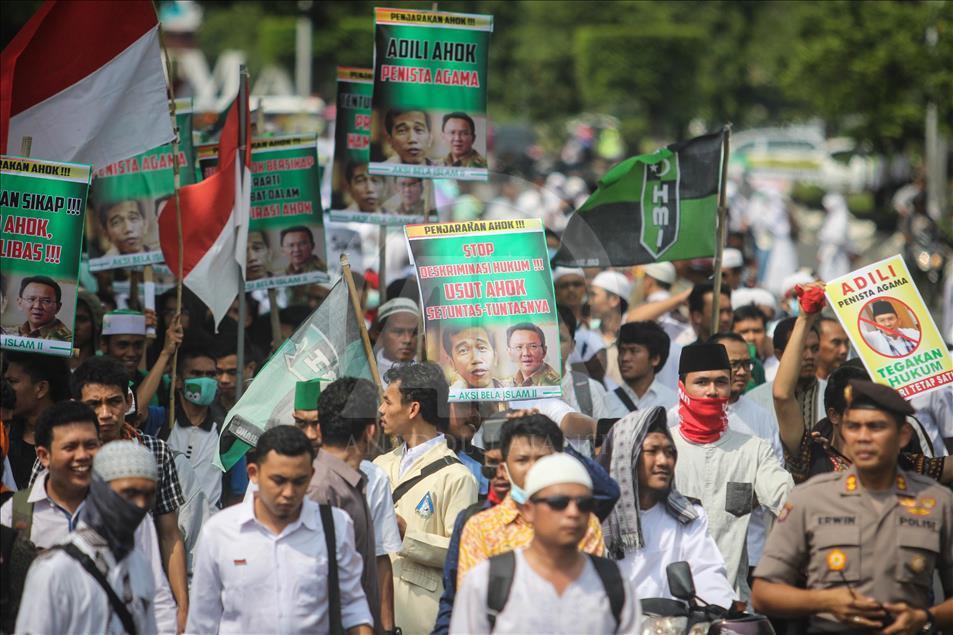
{"x": 699, "y": 357}
{"x": 866, "y": 394}
{"x": 882, "y": 307}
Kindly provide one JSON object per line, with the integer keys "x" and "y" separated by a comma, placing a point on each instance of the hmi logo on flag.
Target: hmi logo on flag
{"x": 660, "y": 203}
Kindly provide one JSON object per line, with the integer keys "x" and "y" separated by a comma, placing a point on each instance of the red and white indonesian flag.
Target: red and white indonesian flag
{"x": 215, "y": 215}
{"x": 84, "y": 79}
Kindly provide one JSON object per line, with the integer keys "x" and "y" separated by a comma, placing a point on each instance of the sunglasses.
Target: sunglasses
{"x": 489, "y": 470}
{"x": 584, "y": 504}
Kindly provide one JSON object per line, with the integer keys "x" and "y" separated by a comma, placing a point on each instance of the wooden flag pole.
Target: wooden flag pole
{"x": 242, "y": 309}
{"x": 382, "y": 264}
{"x": 356, "y": 305}
{"x": 722, "y": 229}
{"x": 176, "y": 185}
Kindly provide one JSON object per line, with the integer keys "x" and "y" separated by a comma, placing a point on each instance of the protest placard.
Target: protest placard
{"x": 489, "y": 308}
{"x": 127, "y": 196}
{"x": 286, "y": 244}
{"x": 429, "y": 105}
{"x": 356, "y": 195}
{"x": 891, "y": 328}
{"x": 42, "y": 211}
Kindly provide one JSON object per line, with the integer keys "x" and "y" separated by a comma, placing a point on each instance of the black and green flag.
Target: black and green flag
{"x": 653, "y": 207}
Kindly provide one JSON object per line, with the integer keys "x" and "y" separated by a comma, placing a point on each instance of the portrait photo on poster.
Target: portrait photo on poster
{"x": 889, "y": 327}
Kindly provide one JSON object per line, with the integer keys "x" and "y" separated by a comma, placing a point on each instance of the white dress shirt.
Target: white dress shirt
{"x": 378, "y": 494}
{"x": 411, "y": 455}
{"x": 667, "y": 541}
{"x": 53, "y": 525}
{"x": 248, "y": 580}
{"x": 60, "y": 596}
{"x": 588, "y": 343}
{"x": 534, "y": 606}
{"x": 658, "y": 394}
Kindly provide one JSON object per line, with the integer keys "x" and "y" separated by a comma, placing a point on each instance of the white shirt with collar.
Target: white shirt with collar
{"x": 53, "y": 525}
{"x": 248, "y": 580}
{"x": 658, "y": 394}
{"x": 64, "y": 598}
{"x": 199, "y": 446}
{"x": 381, "y": 504}
{"x": 411, "y": 455}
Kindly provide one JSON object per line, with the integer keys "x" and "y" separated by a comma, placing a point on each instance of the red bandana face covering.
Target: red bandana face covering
{"x": 703, "y": 419}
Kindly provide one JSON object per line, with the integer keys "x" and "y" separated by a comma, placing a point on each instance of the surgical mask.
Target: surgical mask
{"x": 373, "y": 299}
{"x": 200, "y": 390}
{"x": 517, "y": 493}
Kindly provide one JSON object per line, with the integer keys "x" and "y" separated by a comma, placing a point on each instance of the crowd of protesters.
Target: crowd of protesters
{"x": 392, "y": 510}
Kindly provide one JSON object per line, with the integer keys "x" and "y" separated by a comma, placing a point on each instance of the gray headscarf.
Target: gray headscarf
{"x": 620, "y": 457}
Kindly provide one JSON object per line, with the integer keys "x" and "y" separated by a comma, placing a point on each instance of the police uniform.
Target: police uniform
{"x": 55, "y": 330}
{"x": 885, "y": 545}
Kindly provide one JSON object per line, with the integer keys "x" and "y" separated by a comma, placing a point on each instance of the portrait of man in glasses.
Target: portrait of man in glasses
{"x": 526, "y": 345}
{"x": 39, "y": 301}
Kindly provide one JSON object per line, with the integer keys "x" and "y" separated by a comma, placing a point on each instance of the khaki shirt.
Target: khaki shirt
{"x": 829, "y": 534}
{"x": 545, "y": 376}
{"x": 314, "y": 264}
{"x": 471, "y": 159}
{"x": 430, "y": 509}
{"x": 55, "y": 330}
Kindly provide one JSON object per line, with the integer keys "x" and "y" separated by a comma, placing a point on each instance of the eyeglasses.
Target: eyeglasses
{"x": 520, "y": 348}
{"x": 584, "y": 504}
{"x": 32, "y": 299}
{"x": 489, "y": 470}
{"x": 742, "y": 364}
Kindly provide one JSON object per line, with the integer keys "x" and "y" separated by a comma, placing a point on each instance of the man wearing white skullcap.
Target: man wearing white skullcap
{"x": 549, "y": 587}
{"x": 97, "y": 582}
{"x": 398, "y": 323}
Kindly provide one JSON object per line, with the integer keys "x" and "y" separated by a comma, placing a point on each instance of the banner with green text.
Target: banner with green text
{"x": 356, "y": 195}
{"x": 891, "y": 328}
{"x": 489, "y": 308}
{"x": 126, "y": 197}
{"x": 429, "y": 107}
{"x": 42, "y": 211}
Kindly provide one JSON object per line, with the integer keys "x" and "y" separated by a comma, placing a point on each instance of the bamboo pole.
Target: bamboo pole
{"x": 722, "y": 229}
{"x": 359, "y": 316}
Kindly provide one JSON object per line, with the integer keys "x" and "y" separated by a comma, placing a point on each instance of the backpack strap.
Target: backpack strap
{"x": 502, "y": 571}
{"x": 580, "y": 384}
{"x": 334, "y": 592}
{"x": 23, "y": 513}
{"x": 431, "y": 468}
{"x": 117, "y": 605}
{"x": 625, "y": 399}
{"x": 611, "y": 579}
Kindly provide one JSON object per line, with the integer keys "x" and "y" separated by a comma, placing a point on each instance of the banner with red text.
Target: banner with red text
{"x": 489, "y": 308}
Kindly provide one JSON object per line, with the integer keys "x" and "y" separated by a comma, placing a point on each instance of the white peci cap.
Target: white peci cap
{"x": 661, "y": 271}
{"x": 613, "y": 282}
{"x": 556, "y": 469}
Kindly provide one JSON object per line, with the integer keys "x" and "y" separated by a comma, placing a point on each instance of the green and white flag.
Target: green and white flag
{"x": 327, "y": 345}
{"x": 650, "y": 208}
{"x": 430, "y": 74}
{"x": 126, "y": 197}
{"x": 42, "y": 211}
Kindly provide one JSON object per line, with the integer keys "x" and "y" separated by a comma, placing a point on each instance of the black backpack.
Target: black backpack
{"x": 503, "y": 568}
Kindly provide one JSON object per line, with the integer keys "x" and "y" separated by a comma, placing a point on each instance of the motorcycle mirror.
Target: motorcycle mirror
{"x": 681, "y": 584}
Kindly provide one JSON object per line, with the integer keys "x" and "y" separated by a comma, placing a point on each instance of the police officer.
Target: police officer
{"x": 856, "y": 550}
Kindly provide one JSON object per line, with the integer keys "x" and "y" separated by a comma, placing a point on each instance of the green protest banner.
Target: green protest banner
{"x": 42, "y": 212}
{"x": 489, "y": 308}
{"x": 429, "y": 108}
{"x": 327, "y": 345}
{"x": 126, "y": 197}
{"x": 356, "y": 195}
{"x": 286, "y": 244}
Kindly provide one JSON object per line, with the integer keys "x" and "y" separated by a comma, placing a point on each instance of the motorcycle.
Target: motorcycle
{"x": 691, "y": 615}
